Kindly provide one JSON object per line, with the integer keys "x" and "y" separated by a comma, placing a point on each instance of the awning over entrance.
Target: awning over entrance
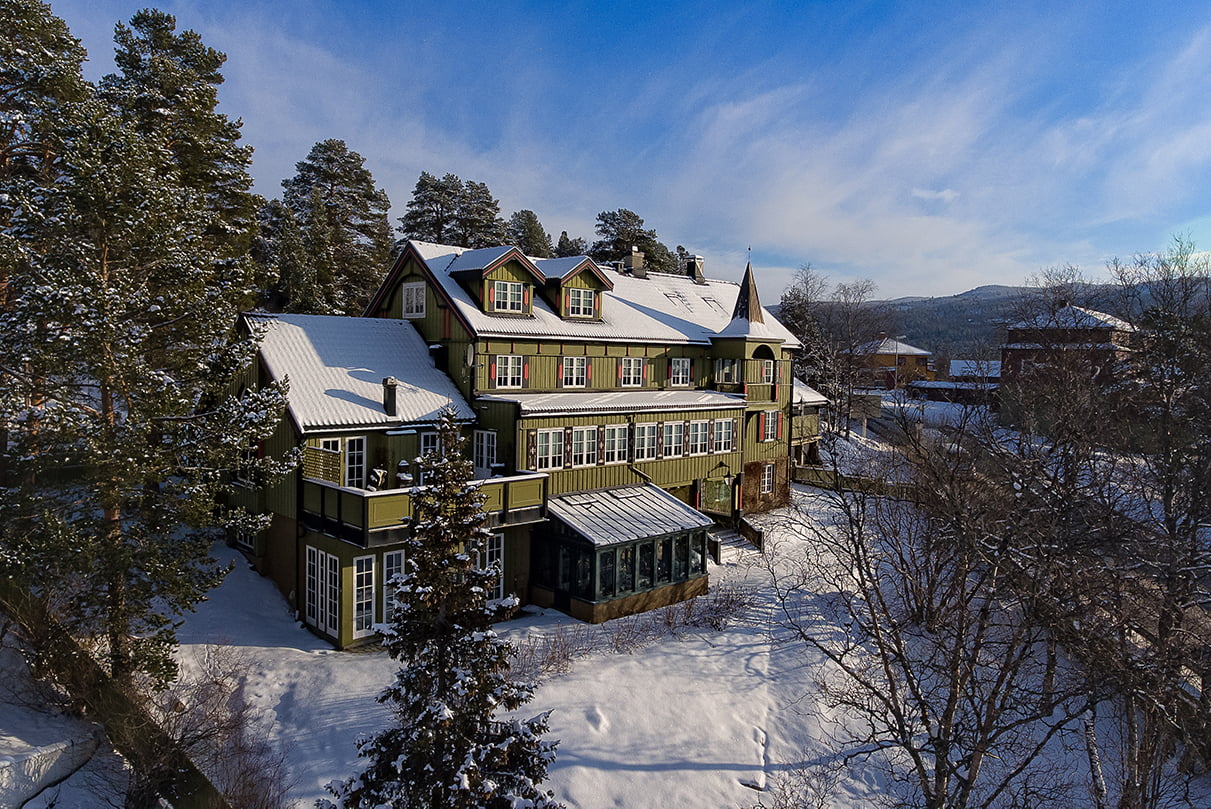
{"x": 611, "y": 516}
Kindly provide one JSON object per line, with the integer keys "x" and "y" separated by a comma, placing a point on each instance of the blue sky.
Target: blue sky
{"x": 930, "y": 147}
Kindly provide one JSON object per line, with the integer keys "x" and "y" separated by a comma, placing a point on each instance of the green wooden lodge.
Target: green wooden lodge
{"x": 613, "y": 415}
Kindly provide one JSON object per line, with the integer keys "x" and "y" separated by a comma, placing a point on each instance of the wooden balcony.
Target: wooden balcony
{"x": 370, "y": 519}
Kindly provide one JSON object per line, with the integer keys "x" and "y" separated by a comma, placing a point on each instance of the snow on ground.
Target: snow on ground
{"x": 696, "y": 718}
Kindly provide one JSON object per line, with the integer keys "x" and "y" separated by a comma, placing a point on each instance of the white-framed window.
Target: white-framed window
{"x": 727, "y": 371}
{"x": 645, "y": 442}
{"x": 769, "y": 425}
{"x": 698, "y": 436}
{"x": 674, "y": 438}
{"x": 483, "y": 452}
{"x": 724, "y": 439}
{"x": 363, "y": 596}
{"x": 508, "y": 295}
{"x": 584, "y": 446}
{"x": 509, "y": 373}
{"x": 614, "y": 444}
{"x": 679, "y": 371}
{"x": 355, "y": 462}
{"x": 393, "y": 565}
{"x": 550, "y": 449}
{"x": 767, "y": 478}
{"x": 429, "y": 443}
{"x": 630, "y": 374}
{"x": 322, "y": 591}
{"x": 494, "y": 554}
{"x": 767, "y": 372}
{"x": 582, "y": 303}
{"x": 575, "y": 373}
{"x": 413, "y": 295}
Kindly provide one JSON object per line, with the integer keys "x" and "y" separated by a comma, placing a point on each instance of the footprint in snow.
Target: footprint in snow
{"x": 597, "y": 719}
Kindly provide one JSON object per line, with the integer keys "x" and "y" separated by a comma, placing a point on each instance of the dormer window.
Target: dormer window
{"x": 582, "y": 303}
{"x": 508, "y": 296}
{"x": 413, "y": 293}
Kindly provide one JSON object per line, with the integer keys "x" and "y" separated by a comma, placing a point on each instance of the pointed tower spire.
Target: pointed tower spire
{"x": 748, "y": 307}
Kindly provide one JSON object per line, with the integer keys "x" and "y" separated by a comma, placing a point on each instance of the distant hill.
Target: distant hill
{"x": 968, "y": 325}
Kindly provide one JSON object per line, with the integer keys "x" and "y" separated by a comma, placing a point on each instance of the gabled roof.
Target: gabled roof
{"x": 625, "y": 513}
{"x": 336, "y": 367}
{"x": 889, "y": 345}
{"x": 660, "y": 308}
{"x": 564, "y": 269}
{"x": 1074, "y": 317}
{"x": 483, "y": 260}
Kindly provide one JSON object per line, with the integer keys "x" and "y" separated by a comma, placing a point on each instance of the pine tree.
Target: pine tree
{"x": 477, "y": 222}
{"x": 167, "y": 87}
{"x": 286, "y": 260}
{"x": 336, "y": 203}
{"x": 448, "y": 749}
{"x": 528, "y": 234}
{"x": 570, "y": 247}
{"x": 623, "y": 229}
{"x": 433, "y": 209}
{"x": 114, "y": 386}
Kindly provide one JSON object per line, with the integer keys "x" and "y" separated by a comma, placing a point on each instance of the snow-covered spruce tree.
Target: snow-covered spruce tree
{"x": 448, "y": 748}
{"x": 114, "y": 381}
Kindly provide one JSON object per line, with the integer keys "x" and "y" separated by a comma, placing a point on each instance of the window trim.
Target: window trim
{"x": 631, "y": 372}
{"x": 645, "y": 441}
{"x": 408, "y": 295}
{"x": 673, "y": 446}
{"x": 705, "y": 435}
{"x": 483, "y": 451}
{"x": 768, "y": 375}
{"x": 364, "y": 595}
{"x": 355, "y": 460}
{"x": 587, "y": 437}
{"x": 684, "y": 377}
{"x": 577, "y": 308}
{"x": 505, "y": 377}
{"x": 554, "y": 458}
{"x": 579, "y": 380}
{"x": 718, "y": 445}
{"x": 503, "y": 297}
{"x": 620, "y": 434}
{"x": 767, "y": 479}
{"x": 769, "y": 423}
{"x": 391, "y": 567}
{"x": 494, "y": 551}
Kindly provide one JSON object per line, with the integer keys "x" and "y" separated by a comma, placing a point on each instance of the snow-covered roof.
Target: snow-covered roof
{"x": 889, "y": 345}
{"x": 804, "y": 394}
{"x": 1074, "y": 317}
{"x": 336, "y": 367}
{"x": 625, "y": 513}
{"x": 619, "y": 401}
{"x": 660, "y": 308}
{"x": 986, "y": 369}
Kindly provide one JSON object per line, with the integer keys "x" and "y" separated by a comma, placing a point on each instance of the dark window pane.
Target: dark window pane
{"x": 680, "y": 550}
{"x": 605, "y": 588}
{"x": 664, "y": 559}
{"x": 626, "y": 569}
{"x": 584, "y": 574}
{"x": 646, "y": 552}
{"x": 698, "y": 555}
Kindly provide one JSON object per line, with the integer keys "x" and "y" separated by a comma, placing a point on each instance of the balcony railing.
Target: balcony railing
{"x": 370, "y": 519}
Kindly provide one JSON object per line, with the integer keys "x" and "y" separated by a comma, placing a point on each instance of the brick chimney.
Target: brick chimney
{"x": 693, "y": 268}
{"x": 634, "y": 263}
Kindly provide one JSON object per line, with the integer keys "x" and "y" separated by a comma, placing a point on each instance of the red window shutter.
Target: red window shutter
{"x": 492, "y": 373}
{"x": 779, "y": 424}
{"x": 525, "y": 372}
{"x": 525, "y": 298}
{"x": 567, "y": 302}
{"x": 669, "y": 376}
{"x": 619, "y": 372}
{"x": 491, "y": 295}
{"x": 260, "y": 449}
{"x": 645, "y": 364}
{"x": 761, "y": 426}
{"x": 588, "y": 371}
